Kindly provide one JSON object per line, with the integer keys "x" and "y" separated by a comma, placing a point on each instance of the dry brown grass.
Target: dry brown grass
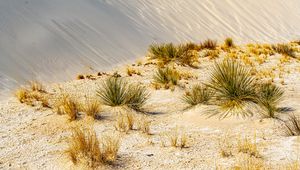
{"x": 248, "y": 146}
{"x": 226, "y": 147}
{"x": 175, "y": 138}
{"x": 121, "y": 124}
{"x": 208, "y": 44}
{"x": 85, "y": 148}
{"x": 37, "y": 86}
{"x": 250, "y": 163}
{"x": 69, "y": 106}
{"x": 92, "y": 108}
{"x": 144, "y": 125}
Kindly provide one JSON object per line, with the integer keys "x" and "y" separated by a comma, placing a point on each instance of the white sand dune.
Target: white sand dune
{"x": 55, "y": 40}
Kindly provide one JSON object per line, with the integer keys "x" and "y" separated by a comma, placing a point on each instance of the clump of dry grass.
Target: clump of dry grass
{"x": 226, "y": 147}
{"x": 175, "y": 139}
{"x": 37, "y": 86}
{"x": 292, "y": 126}
{"x": 69, "y": 106}
{"x": 167, "y": 76}
{"x": 208, "y": 44}
{"x": 131, "y": 71}
{"x": 84, "y": 147}
{"x": 199, "y": 94}
{"x": 284, "y": 49}
{"x": 92, "y": 108}
{"x": 250, "y": 163}
{"x": 248, "y": 146}
{"x": 185, "y": 54}
{"x": 144, "y": 125}
{"x": 122, "y": 124}
{"x": 22, "y": 95}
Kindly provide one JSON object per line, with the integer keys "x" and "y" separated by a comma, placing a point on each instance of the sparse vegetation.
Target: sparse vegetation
{"x": 185, "y": 54}
{"x": 144, "y": 125}
{"x": 70, "y": 107}
{"x": 208, "y": 44}
{"x": 269, "y": 96}
{"x": 166, "y": 76}
{"x": 248, "y": 146}
{"x": 117, "y": 92}
{"x": 84, "y": 147}
{"x": 284, "y": 49}
{"x": 234, "y": 88}
{"x": 199, "y": 94}
{"x": 92, "y": 108}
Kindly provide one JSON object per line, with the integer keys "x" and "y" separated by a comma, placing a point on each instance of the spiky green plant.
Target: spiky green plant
{"x": 137, "y": 96}
{"x": 234, "y": 88}
{"x": 199, "y": 94}
{"x": 292, "y": 126}
{"x": 208, "y": 44}
{"x": 117, "y": 92}
{"x": 284, "y": 49}
{"x": 166, "y": 76}
{"x": 228, "y": 42}
{"x": 269, "y": 96}
{"x": 113, "y": 91}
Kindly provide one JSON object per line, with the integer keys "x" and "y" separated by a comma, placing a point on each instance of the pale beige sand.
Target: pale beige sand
{"x": 34, "y": 137}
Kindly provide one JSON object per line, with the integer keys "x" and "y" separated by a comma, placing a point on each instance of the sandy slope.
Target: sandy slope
{"x": 41, "y": 39}
{"x": 35, "y": 137}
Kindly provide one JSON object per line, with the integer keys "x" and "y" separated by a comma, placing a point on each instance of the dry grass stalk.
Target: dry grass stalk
{"x": 92, "y": 108}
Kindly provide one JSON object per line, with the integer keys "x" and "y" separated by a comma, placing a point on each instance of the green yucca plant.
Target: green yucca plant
{"x": 269, "y": 96}
{"x": 292, "y": 126}
{"x": 116, "y": 91}
{"x": 228, "y": 42}
{"x": 166, "y": 76}
{"x": 208, "y": 44}
{"x": 137, "y": 96}
{"x": 199, "y": 94}
{"x": 284, "y": 49}
{"x": 234, "y": 88}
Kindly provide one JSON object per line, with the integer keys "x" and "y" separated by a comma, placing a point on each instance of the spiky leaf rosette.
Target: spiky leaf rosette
{"x": 234, "y": 88}
{"x": 269, "y": 96}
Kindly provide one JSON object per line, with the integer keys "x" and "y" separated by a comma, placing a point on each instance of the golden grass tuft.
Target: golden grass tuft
{"x": 92, "y": 108}
{"x": 69, "y": 106}
{"x": 199, "y": 94}
{"x": 167, "y": 76}
{"x": 228, "y": 43}
{"x": 208, "y": 44}
{"x": 144, "y": 125}
{"x": 37, "y": 86}
{"x": 248, "y": 146}
{"x": 250, "y": 163}
{"x": 284, "y": 49}
{"x": 85, "y": 148}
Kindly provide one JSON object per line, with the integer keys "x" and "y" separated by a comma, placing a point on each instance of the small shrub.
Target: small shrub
{"x": 208, "y": 44}
{"x": 248, "y": 146}
{"x": 177, "y": 139}
{"x": 166, "y": 76}
{"x": 80, "y": 77}
{"x": 70, "y": 107}
{"x": 84, "y": 147}
{"x": 122, "y": 124}
{"x": 144, "y": 125}
{"x": 37, "y": 86}
{"x": 22, "y": 95}
{"x": 269, "y": 96}
{"x": 292, "y": 126}
{"x": 117, "y": 92}
{"x": 130, "y": 120}
{"x": 199, "y": 94}
{"x": 284, "y": 49}
{"x": 228, "y": 43}
{"x": 92, "y": 108}
{"x": 234, "y": 88}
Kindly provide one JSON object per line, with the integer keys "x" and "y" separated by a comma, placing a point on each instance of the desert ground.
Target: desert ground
{"x": 36, "y": 136}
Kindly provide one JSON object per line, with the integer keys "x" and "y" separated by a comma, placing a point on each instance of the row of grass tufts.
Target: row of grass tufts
{"x": 116, "y": 91}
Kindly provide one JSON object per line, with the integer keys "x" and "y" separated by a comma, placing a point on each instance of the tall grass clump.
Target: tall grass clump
{"x": 284, "y": 49}
{"x": 199, "y": 94}
{"x": 208, "y": 44}
{"x": 269, "y": 96}
{"x": 185, "y": 54}
{"x": 70, "y": 107}
{"x": 234, "y": 88}
{"x": 92, "y": 108}
{"x": 292, "y": 126}
{"x": 85, "y": 148}
{"x": 118, "y": 92}
{"x": 167, "y": 76}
